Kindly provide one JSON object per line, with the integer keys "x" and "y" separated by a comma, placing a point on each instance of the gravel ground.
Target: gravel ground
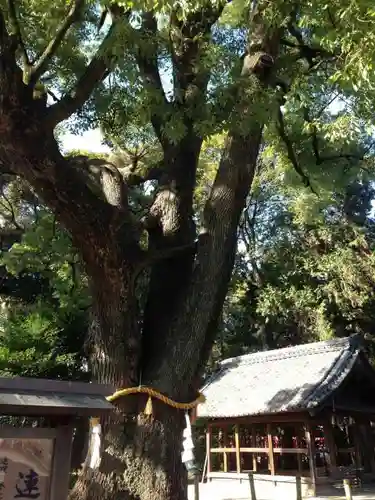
{"x": 216, "y": 494}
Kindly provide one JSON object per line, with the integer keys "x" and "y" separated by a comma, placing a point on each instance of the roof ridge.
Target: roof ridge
{"x": 296, "y": 351}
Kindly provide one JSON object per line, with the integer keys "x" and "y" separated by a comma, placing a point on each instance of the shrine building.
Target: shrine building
{"x": 300, "y": 415}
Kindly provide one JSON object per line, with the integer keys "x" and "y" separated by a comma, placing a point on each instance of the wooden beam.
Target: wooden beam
{"x": 297, "y": 417}
{"x": 295, "y": 451}
{"x": 254, "y": 450}
{"x": 208, "y": 448}
{"x": 61, "y": 463}
{"x": 238, "y": 452}
{"x": 357, "y": 445}
{"x": 291, "y": 451}
{"x": 204, "y": 472}
{"x": 225, "y": 443}
{"x": 311, "y": 447}
{"x": 242, "y": 450}
{"x": 271, "y": 455}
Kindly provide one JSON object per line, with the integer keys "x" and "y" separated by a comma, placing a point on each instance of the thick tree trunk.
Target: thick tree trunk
{"x": 173, "y": 231}
{"x": 141, "y": 456}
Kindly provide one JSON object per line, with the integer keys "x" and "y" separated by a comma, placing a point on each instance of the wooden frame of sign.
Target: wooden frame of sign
{"x": 60, "y": 467}
{"x": 59, "y": 403}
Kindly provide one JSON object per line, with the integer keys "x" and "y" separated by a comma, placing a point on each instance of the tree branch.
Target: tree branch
{"x": 17, "y": 31}
{"x": 153, "y": 173}
{"x": 11, "y": 73}
{"x": 319, "y": 158}
{"x": 187, "y": 47}
{"x": 150, "y": 257}
{"x": 148, "y": 65}
{"x": 129, "y": 172}
{"x": 55, "y": 43}
{"x": 88, "y": 215}
{"x": 105, "y": 180}
{"x": 95, "y": 72}
{"x": 8, "y": 206}
{"x": 331, "y": 18}
{"x": 290, "y": 150}
{"x": 306, "y": 51}
{"x": 171, "y": 217}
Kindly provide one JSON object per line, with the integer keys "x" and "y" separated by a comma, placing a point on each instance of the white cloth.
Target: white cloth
{"x": 187, "y": 442}
{"x": 95, "y": 446}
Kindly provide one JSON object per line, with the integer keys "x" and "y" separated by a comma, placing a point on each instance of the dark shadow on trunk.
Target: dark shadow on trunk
{"x": 80, "y": 444}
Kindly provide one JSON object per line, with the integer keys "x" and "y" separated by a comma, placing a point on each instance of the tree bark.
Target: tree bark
{"x": 141, "y": 456}
{"x": 186, "y": 343}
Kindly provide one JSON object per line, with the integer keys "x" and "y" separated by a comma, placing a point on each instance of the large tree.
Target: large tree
{"x": 233, "y": 79}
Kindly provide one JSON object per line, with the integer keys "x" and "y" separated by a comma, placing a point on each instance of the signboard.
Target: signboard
{"x": 25, "y": 468}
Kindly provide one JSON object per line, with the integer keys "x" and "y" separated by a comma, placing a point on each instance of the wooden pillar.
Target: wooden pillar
{"x": 299, "y": 456}
{"x": 348, "y": 490}
{"x": 357, "y": 445}
{"x": 371, "y": 445}
{"x": 225, "y": 445}
{"x": 196, "y": 487}
{"x": 61, "y": 463}
{"x": 331, "y": 445}
{"x": 254, "y": 445}
{"x": 311, "y": 449}
{"x": 253, "y": 495}
{"x": 299, "y": 462}
{"x": 298, "y": 488}
{"x": 271, "y": 455}
{"x": 208, "y": 448}
{"x": 238, "y": 452}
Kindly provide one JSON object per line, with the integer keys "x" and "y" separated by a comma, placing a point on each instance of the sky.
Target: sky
{"x": 88, "y": 141}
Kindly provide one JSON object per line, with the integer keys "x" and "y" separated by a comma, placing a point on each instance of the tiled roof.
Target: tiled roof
{"x": 282, "y": 380}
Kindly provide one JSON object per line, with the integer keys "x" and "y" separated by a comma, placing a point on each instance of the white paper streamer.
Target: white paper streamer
{"x": 187, "y": 443}
{"x": 95, "y": 458}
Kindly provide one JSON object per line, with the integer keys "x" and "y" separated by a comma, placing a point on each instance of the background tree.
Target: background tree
{"x": 305, "y": 268}
{"x": 44, "y": 336}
